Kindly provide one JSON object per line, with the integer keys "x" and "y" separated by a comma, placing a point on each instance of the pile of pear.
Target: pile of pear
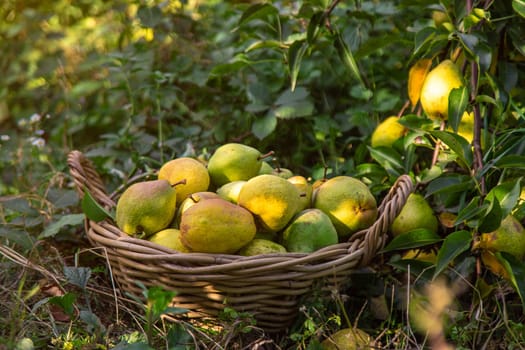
{"x": 236, "y": 202}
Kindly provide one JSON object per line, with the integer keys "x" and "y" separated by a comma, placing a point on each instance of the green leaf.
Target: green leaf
{"x": 235, "y": 64}
{"x": 412, "y": 239}
{"x": 458, "y": 145}
{"x": 295, "y": 110}
{"x": 149, "y": 16}
{"x": 295, "y": 56}
{"x": 453, "y": 245}
{"x": 473, "y": 210}
{"x": 347, "y": 57}
{"x": 389, "y": 159}
{"x": 93, "y": 323}
{"x": 492, "y": 218}
{"x": 257, "y": 11}
{"x": 370, "y": 170}
{"x": 84, "y": 88}
{"x": 422, "y": 39}
{"x": 133, "y": 346}
{"x": 450, "y": 184}
{"x": 477, "y": 47}
{"x": 316, "y": 21}
{"x": 66, "y": 220}
{"x": 159, "y": 300}
{"x": 264, "y": 126}
{"x": 79, "y": 276}
{"x": 377, "y": 44}
{"x": 507, "y": 194}
{"x": 263, "y": 44}
{"x": 93, "y": 210}
{"x": 511, "y": 161}
{"x": 179, "y": 338}
{"x": 65, "y": 302}
{"x": 18, "y": 236}
{"x": 519, "y": 7}
{"x": 457, "y": 103}
{"x": 291, "y": 96}
{"x": 516, "y": 269}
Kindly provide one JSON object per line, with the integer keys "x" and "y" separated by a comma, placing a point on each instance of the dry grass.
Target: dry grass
{"x": 464, "y": 315}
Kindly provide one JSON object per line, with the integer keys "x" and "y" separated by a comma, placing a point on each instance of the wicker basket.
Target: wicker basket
{"x": 267, "y": 286}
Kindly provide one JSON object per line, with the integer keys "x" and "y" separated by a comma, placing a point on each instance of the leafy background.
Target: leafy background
{"x": 132, "y": 84}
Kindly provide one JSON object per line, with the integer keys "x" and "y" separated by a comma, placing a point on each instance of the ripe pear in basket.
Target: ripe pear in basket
{"x": 146, "y": 207}
{"x": 268, "y": 286}
{"x": 216, "y": 226}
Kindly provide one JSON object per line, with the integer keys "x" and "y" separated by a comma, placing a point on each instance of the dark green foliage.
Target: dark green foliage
{"x": 133, "y": 84}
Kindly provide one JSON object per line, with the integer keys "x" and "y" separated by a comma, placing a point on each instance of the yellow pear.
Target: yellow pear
{"x": 416, "y": 77}
{"x": 230, "y": 191}
{"x": 348, "y": 202}
{"x": 190, "y": 171}
{"x": 272, "y": 199}
{"x": 232, "y": 162}
{"x": 310, "y": 230}
{"x": 146, "y": 207}
{"x": 491, "y": 262}
{"x": 466, "y": 128}
{"x": 509, "y": 238}
{"x": 439, "y": 18}
{"x": 348, "y": 339}
{"x": 216, "y": 226}
{"x": 191, "y": 200}
{"x": 170, "y": 238}
{"x": 436, "y": 89}
{"x": 387, "y": 132}
{"x": 415, "y": 214}
{"x": 305, "y": 190}
{"x": 259, "y": 246}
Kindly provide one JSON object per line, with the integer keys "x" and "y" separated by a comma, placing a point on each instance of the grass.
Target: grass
{"x": 63, "y": 296}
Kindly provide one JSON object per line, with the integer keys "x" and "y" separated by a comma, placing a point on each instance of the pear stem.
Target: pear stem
{"x": 192, "y": 197}
{"x": 264, "y": 156}
{"x": 181, "y": 182}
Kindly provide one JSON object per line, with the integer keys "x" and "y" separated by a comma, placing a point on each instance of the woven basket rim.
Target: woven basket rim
{"x": 87, "y": 178}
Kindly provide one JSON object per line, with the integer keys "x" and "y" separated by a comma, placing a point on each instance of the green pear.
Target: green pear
{"x": 387, "y": 132}
{"x": 272, "y": 199}
{"x": 348, "y": 339}
{"x": 309, "y": 230}
{"x": 232, "y": 162}
{"x": 415, "y": 214}
{"x": 230, "y": 191}
{"x": 348, "y": 202}
{"x": 305, "y": 190}
{"x": 259, "y": 246}
{"x": 509, "y": 237}
{"x": 285, "y": 173}
{"x": 146, "y": 207}
{"x": 266, "y": 168}
{"x": 216, "y": 226}
{"x": 436, "y": 89}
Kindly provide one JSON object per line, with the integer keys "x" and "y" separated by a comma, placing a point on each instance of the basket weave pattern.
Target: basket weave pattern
{"x": 267, "y": 286}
